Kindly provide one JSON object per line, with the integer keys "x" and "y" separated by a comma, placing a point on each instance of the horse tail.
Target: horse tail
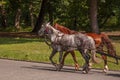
{"x": 94, "y": 58}
{"x": 93, "y": 50}
{"x": 108, "y": 44}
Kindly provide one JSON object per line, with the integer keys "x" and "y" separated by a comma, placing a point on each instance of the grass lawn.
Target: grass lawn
{"x": 34, "y": 49}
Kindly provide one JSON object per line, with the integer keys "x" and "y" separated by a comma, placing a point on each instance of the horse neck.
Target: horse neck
{"x": 55, "y": 31}
{"x": 53, "y": 34}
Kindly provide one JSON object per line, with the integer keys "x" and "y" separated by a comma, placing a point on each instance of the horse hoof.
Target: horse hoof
{"x": 76, "y": 67}
{"x": 84, "y": 72}
{"x": 106, "y": 69}
{"x": 60, "y": 66}
{"x": 90, "y": 66}
{"x": 56, "y": 66}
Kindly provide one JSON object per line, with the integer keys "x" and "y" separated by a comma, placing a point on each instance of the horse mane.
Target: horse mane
{"x": 54, "y": 29}
{"x": 64, "y": 29}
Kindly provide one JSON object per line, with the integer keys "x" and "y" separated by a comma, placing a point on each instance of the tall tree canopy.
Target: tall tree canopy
{"x": 75, "y": 14}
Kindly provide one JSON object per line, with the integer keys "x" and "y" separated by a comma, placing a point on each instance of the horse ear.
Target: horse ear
{"x": 48, "y": 24}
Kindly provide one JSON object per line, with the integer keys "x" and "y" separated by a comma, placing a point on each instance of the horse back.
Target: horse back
{"x": 96, "y": 37}
{"x": 64, "y": 29}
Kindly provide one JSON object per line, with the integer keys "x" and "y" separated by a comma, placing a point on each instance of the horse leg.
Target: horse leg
{"x": 86, "y": 58}
{"x": 75, "y": 61}
{"x": 105, "y": 63}
{"x": 104, "y": 58}
{"x": 60, "y": 61}
{"x": 109, "y": 46}
{"x": 86, "y": 65}
{"x": 116, "y": 59}
{"x": 60, "y": 56}
{"x": 74, "y": 58}
{"x": 51, "y": 56}
{"x": 113, "y": 52}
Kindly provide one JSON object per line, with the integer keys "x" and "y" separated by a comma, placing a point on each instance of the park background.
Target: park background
{"x": 21, "y": 19}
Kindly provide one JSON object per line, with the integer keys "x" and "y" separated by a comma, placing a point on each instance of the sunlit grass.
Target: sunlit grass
{"x": 36, "y": 50}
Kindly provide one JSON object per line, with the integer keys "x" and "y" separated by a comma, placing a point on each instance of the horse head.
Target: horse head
{"x": 45, "y": 29}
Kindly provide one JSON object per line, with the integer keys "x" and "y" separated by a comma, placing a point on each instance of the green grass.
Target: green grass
{"x": 36, "y": 50}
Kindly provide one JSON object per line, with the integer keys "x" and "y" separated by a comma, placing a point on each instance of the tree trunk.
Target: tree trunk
{"x": 17, "y": 16}
{"x": 31, "y": 14}
{"x": 17, "y": 19}
{"x": 40, "y": 17}
{"x": 50, "y": 12}
{"x": 3, "y": 17}
{"x": 93, "y": 16}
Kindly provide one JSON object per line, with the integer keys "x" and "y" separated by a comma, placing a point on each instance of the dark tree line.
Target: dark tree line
{"x": 88, "y": 15}
{"x": 41, "y": 15}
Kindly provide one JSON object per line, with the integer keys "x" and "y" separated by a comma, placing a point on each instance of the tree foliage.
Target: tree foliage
{"x": 71, "y": 13}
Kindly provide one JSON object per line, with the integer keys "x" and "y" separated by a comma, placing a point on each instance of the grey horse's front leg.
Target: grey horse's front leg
{"x": 51, "y": 56}
{"x": 60, "y": 56}
{"x": 60, "y": 61}
{"x": 86, "y": 57}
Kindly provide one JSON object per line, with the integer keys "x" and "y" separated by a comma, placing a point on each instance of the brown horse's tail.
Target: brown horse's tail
{"x": 108, "y": 44}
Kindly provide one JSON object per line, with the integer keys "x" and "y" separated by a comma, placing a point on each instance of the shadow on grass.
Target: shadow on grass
{"x": 19, "y": 40}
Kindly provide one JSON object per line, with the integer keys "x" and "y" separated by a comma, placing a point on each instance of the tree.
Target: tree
{"x": 17, "y": 19}
{"x": 71, "y": 13}
{"x": 93, "y": 16}
{"x": 40, "y": 16}
{"x": 31, "y": 13}
{"x": 3, "y": 15}
{"x": 16, "y": 6}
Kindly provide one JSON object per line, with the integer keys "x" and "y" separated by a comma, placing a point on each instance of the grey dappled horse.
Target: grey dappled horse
{"x": 64, "y": 42}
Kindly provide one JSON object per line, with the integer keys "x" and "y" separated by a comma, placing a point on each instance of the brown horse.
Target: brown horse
{"x": 101, "y": 40}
